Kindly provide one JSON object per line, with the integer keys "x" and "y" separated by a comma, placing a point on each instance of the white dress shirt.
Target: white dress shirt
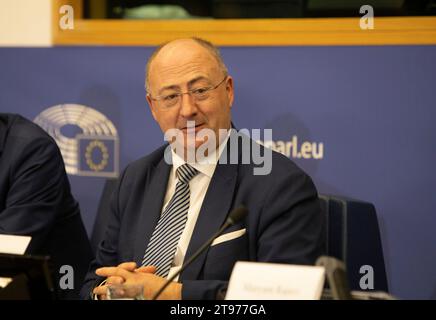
{"x": 198, "y": 187}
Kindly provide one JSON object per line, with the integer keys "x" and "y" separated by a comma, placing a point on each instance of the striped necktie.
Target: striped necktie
{"x": 163, "y": 243}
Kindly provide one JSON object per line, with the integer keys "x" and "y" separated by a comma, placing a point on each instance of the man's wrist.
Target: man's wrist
{"x": 172, "y": 292}
{"x": 177, "y": 291}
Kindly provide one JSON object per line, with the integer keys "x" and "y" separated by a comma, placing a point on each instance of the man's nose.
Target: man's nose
{"x": 188, "y": 109}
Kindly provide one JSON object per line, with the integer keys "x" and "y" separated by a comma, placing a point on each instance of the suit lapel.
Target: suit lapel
{"x": 213, "y": 212}
{"x": 4, "y": 128}
{"x": 155, "y": 190}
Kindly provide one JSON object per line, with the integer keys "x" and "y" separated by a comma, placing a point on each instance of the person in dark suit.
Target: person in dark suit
{"x": 165, "y": 206}
{"x": 35, "y": 200}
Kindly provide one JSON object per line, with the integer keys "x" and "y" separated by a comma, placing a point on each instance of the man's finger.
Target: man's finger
{"x": 102, "y": 290}
{"x": 128, "y": 265}
{"x": 115, "y": 280}
{"x": 112, "y": 271}
{"x": 146, "y": 269}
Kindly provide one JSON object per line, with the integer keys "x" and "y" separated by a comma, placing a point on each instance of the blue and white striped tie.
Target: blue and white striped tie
{"x": 163, "y": 243}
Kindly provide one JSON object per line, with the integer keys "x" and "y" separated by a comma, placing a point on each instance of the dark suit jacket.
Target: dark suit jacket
{"x": 285, "y": 223}
{"x": 35, "y": 199}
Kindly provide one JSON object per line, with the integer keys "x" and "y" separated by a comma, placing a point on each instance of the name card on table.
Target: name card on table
{"x": 13, "y": 244}
{"x": 271, "y": 281}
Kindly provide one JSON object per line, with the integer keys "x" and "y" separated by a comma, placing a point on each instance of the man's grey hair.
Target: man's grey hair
{"x": 204, "y": 43}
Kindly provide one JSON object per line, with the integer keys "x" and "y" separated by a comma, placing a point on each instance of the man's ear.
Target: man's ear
{"x": 229, "y": 89}
{"x": 150, "y": 104}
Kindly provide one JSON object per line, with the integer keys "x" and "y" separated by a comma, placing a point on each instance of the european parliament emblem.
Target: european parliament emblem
{"x": 88, "y": 140}
{"x": 98, "y": 155}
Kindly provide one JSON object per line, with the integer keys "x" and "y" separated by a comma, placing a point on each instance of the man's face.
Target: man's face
{"x": 181, "y": 66}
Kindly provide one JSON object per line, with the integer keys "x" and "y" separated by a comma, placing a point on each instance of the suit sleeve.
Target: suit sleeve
{"x": 291, "y": 224}
{"x": 107, "y": 252}
{"x": 35, "y": 196}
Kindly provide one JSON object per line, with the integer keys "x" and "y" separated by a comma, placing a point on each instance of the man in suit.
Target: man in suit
{"x": 35, "y": 200}
{"x": 165, "y": 206}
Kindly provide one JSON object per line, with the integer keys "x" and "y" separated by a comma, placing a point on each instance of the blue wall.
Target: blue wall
{"x": 372, "y": 108}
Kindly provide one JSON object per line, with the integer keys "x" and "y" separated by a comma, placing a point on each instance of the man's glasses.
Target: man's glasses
{"x": 198, "y": 94}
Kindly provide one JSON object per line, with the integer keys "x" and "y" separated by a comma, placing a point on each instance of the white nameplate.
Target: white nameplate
{"x": 271, "y": 281}
{"x": 13, "y": 244}
{"x": 4, "y": 282}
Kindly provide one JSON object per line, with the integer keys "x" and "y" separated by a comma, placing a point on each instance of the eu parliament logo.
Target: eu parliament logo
{"x": 98, "y": 156}
{"x": 88, "y": 140}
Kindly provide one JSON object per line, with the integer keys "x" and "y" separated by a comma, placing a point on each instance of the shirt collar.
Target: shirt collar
{"x": 206, "y": 167}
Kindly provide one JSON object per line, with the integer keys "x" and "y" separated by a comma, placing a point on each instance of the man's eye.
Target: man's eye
{"x": 171, "y": 97}
{"x": 200, "y": 90}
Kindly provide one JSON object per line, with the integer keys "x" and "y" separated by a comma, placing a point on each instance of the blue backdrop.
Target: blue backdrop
{"x": 372, "y": 109}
